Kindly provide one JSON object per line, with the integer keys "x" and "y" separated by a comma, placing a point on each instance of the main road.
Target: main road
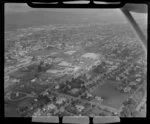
{"x": 25, "y": 65}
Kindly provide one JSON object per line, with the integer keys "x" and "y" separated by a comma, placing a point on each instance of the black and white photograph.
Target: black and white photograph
{"x": 75, "y": 62}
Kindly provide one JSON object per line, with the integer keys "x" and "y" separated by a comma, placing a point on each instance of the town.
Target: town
{"x": 75, "y": 70}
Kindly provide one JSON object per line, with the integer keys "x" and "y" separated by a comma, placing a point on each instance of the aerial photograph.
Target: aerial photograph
{"x": 73, "y": 62}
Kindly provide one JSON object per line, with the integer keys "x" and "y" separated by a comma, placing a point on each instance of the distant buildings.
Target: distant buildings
{"x": 15, "y": 80}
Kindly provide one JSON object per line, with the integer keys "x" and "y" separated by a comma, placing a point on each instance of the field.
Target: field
{"x": 111, "y": 96}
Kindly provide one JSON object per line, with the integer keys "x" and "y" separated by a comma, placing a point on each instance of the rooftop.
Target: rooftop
{"x": 64, "y": 63}
{"x": 91, "y": 55}
{"x": 70, "y": 52}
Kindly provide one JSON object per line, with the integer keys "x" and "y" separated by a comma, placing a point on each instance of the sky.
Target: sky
{"x": 13, "y": 8}
{"x": 20, "y": 7}
{"x": 17, "y": 7}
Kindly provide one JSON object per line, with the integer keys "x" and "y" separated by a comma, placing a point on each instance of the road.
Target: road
{"x": 141, "y": 104}
{"x": 7, "y": 73}
{"x": 143, "y": 101}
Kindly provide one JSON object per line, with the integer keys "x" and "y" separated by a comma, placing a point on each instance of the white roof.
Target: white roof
{"x": 138, "y": 79}
{"x": 33, "y": 80}
{"x": 53, "y": 71}
{"x": 76, "y": 68}
{"x": 70, "y": 52}
{"x": 79, "y": 107}
{"x": 91, "y": 55}
{"x": 59, "y": 101}
{"x": 64, "y": 63}
{"x": 51, "y": 106}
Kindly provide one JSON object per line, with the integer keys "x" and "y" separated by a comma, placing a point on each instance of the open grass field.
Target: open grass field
{"x": 111, "y": 96}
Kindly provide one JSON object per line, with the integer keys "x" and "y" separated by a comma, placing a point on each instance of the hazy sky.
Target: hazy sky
{"x": 19, "y": 7}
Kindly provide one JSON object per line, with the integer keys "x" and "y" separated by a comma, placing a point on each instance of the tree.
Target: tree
{"x": 135, "y": 114}
{"x": 126, "y": 112}
{"x": 129, "y": 112}
{"x": 34, "y": 58}
{"x": 40, "y": 66}
{"x": 129, "y": 102}
{"x": 63, "y": 45}
{"x": 129, "y": 108}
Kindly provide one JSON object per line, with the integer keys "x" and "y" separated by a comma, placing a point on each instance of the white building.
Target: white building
{"x": 90, "y": 55}
{"x": 51, "y": 106}
{"x": 79, "y": 107}
{"x": 70, "y": 52}
{"x": 57, "y": 87}
{"x": 15, "y": 80}
{"x": 138, "y": 79}
{"x": 33, "y": 80}
{"x": 98, "y": 98}
{"x": 60, "y": 100}
{"x": 127, "y": 89}
{"x": 64, "y": 63}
